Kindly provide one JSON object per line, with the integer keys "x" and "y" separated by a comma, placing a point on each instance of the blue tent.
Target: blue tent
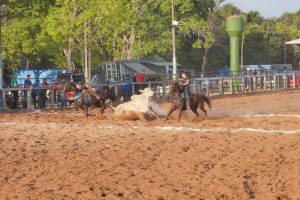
{"x": 225, "y": 71}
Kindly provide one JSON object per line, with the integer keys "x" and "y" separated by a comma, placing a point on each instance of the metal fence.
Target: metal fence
{"x": 208, "y": 86}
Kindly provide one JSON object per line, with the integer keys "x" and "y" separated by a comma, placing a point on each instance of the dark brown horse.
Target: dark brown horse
{"x": 88, "y": 99}
{"x": 179, "y": 103}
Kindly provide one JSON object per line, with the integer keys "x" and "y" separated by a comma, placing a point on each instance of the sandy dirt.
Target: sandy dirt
{"x": 249, "y": 148}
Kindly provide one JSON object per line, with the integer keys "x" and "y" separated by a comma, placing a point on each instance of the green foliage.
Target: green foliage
{"x": 38, "y": 33}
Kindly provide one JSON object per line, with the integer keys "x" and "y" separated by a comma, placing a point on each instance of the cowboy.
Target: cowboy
{"x": 186, "y": 88}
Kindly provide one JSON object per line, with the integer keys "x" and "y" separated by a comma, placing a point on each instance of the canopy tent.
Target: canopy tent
{"x": 138, "y": 67}
{"x": 225, "y": 71}
{"x": 294, "y": 42}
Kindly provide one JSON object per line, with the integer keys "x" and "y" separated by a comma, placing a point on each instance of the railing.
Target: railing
{"x": 209, "y": 86}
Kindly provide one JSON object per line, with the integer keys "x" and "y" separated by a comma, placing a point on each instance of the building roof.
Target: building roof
{"x": 138, "y": 67}
{"x": 293, "y": 42}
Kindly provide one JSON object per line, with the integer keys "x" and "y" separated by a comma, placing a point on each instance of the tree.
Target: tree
{"x": 203, "y": 30}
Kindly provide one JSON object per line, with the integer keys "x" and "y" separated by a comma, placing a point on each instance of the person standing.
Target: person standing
{"x": 141, "y": 76}
{"x": 43, "y": 93}
{"x": 10, "y": 80}
{"x": 127, "y": 90}
{"x": 27, "y": 87}
{"x": 35, "y": 94}
{"x": 96, "y": 81}
{"x": 135, "y": 77}
{"x": 186, "y": 88}
{"x": 54, "y": 88}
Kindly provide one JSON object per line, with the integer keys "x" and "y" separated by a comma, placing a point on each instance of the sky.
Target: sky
{"x": 267, "y": 8}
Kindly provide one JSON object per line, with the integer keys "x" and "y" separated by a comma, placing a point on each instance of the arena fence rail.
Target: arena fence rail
{"x": 210, "y": 86}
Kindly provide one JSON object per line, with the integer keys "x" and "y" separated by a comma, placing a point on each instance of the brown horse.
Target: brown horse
{"x": 179, "y": 103}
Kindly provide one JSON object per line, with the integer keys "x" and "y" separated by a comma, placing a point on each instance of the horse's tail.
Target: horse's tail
{"x": 206, "y": 100}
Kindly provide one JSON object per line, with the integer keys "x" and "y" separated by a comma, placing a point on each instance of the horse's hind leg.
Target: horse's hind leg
{"x": 179, "y": 114}
{"x": 103, "y": 106}
{"x": 202, "y": 108}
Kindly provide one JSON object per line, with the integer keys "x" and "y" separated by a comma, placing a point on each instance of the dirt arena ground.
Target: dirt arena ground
{"x": 249, "y": 148}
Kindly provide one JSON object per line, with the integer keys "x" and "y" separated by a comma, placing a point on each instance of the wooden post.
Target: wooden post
{"x": 231, "y": 86}
{"x": 294, "y": 81}
{"x": 221, "y": 86}
{"x": 243, "y": 84}
{"x": 207, "y": 87}
{"x": 164, "y": 89}
{"x": 254, "y": 83}
{"x": 28, "y": 99}
{"x": 116, "y": 90}
{"x": 133, "y": 88}
{"x": 265, "y": 83}
{"x": 195, "y": 86}
{"x": 285, "y": 83}
{"x": 275, "y": 82}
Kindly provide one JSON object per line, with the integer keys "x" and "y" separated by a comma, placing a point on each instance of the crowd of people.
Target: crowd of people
{"x": 64, "y": 91}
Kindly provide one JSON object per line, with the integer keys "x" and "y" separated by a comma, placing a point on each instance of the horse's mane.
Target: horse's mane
{"x": 175, "y": 85}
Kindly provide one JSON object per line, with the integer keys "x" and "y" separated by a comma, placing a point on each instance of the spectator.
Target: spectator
{"x": 10, "y": 80}
{"x": 141, "y": 76}
{"x": 62, "y": 94}
{"x": 127, "y": 90}
{"x": 96, "y": 81}
{"x": 43, "y": 93}
{"x": 254, "y": 72}
{"x": 28, "y": 87}
{"x": 134, "y": 78}
{"x": 35, "y": 94}
{"x": 54, "y": 85}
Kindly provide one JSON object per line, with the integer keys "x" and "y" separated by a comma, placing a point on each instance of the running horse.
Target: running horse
{"x": 88, "y": 99}
{"x": 179, "y": 103}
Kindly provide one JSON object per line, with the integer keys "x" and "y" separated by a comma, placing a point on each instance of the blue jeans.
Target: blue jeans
{"x": 187, "y": 97}
{"x": 63, "y": 101}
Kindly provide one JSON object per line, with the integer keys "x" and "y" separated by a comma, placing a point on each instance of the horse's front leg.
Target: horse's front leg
{"x": 179, "y": 114}
{"x": 180, "y": 110}
{"x": 169, "y": 113}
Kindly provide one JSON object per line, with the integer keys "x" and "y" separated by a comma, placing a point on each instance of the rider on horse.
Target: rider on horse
{"x": 186, "y": 88}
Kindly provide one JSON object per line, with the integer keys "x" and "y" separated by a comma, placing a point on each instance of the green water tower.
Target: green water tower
{"x": 235, "y": 26}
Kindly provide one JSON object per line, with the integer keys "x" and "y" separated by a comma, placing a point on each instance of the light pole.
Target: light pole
{"x": 174, "y": 23}
{"x": 2, "y": 13}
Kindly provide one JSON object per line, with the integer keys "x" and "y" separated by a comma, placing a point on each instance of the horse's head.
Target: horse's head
{"x": 174, "y": 87}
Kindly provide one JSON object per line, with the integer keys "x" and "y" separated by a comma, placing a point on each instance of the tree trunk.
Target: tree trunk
{"x": 27, "y": 63}
{"x": 68, "y": 55}
{"x": 103, "y": 52}
{"x": 90, "y": 64}
{"x": 127, "y": 48}
{"x": 68, "y": 51}
{"x": 204, "y": 62}
{"x": 242, "y": 49}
